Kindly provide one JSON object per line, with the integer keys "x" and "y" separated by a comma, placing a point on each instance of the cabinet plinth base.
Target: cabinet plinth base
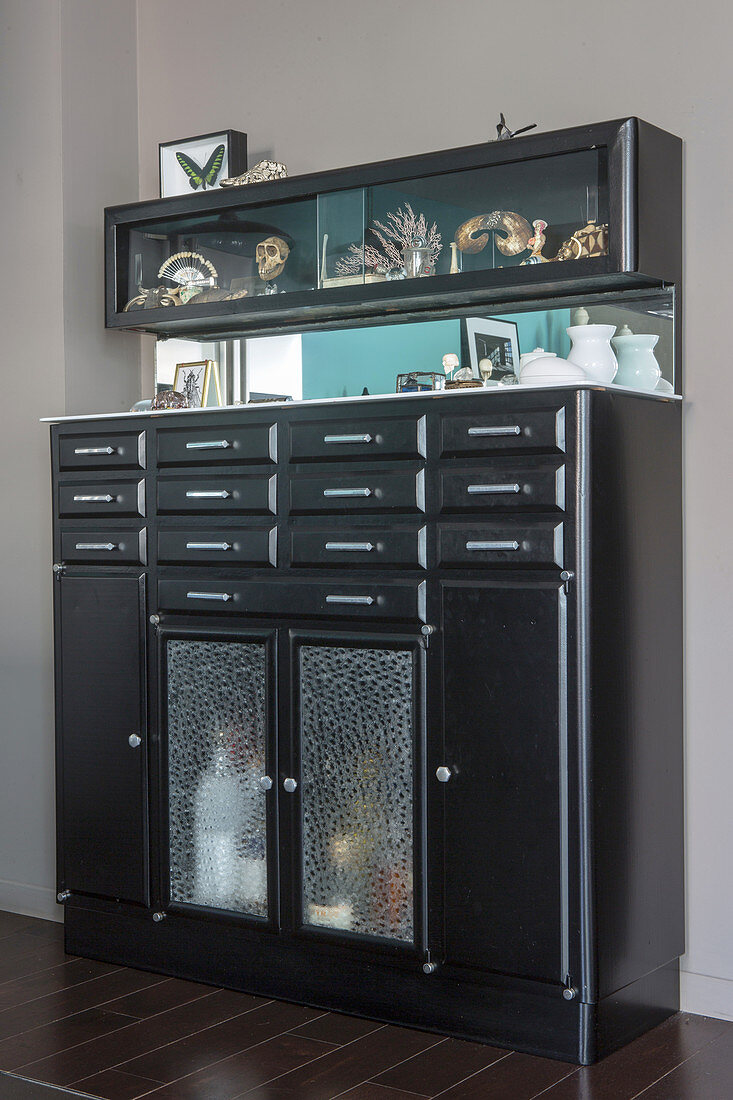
{"x": 520, "y": 1016}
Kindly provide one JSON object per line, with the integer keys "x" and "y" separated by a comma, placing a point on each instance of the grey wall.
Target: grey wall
{"x": 335, "y": 82}
{"x": 68, "y": 130}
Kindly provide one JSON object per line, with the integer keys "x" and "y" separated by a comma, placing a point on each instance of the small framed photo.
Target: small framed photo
{"x": 199, "y": 383}
{"x": 201, "y": 163}
{"x": 493, "y": 347}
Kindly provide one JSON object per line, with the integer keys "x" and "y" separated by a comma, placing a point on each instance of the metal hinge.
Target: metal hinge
{"x": 426, "y": 631}
{"x": 566, "y": 577}
{"x": 428, "y": 966}
{"x": 58, "y": 570}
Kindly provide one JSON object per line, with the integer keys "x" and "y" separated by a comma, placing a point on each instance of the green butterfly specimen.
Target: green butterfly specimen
{"x": 200, "y": 177}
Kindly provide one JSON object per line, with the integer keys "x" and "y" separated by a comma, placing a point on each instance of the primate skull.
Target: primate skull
{"x": 271, "y": 255}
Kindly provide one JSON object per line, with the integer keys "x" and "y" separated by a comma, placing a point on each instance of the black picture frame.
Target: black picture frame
{"x": 491, "y": 337}
{"x": 235, "y": 160}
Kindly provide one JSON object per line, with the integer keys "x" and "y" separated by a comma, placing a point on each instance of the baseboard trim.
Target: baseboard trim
{"x": 706, "y": 996}
{"x": 31, "y": 901}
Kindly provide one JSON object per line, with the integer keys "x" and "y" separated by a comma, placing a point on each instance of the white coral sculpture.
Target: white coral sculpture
{"x": 403, "y": 226}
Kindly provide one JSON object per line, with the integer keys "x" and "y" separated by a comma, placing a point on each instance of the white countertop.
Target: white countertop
{"x": 438, "y": 395}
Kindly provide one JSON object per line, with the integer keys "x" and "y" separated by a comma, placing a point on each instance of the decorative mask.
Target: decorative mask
{"x": 271, "y": 255}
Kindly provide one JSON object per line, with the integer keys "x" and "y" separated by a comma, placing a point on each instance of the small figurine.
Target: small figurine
{"x": 536, "y": 244}
{"x": 503, "y": 133}
{"x": 455, "y": 259}
{"x": 451, "y": 362}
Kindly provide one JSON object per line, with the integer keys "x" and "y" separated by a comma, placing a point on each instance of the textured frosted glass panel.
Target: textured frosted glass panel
{"x": 217, "y": 718}
{"x": 356, "y": 774}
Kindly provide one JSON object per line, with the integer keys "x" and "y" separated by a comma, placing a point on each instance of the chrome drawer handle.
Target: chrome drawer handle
{"x": 499, "y": 545}
{"x": 366, "y": 600}
{"x": 347, "y": 439}
{"x": 95, "y": 450}
{"x": 208, "y": 545}
{"x": 347, "y": 492}
{"x": 349, "y": 546}
{"x": 97, "y": 546}
{"x": 223, "y": 596}
{"x": 101, "y": 499}
{"x": 208, "y": 445}
{"x": 510, "y": 487}
{"x": 504, "y": 429}
{"x": 207, "y": 494}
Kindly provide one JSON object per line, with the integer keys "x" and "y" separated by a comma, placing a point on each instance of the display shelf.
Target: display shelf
{"x": 403, "y": 236}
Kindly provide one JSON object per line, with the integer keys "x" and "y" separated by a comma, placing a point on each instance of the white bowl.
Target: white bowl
{"x": 548, "y": 370}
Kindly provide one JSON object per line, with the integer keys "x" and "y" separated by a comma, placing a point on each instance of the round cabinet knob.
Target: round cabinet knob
{"x": 290, "y": 785}
{"x": 134, "y": 741}
{"x": 265, "y": 783}
{"x": 443, "y": 774}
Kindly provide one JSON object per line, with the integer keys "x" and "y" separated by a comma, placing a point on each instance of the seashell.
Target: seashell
{"x": 517, "y": 229}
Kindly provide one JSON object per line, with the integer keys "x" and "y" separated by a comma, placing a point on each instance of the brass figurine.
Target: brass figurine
{"x": 517, "y": 232}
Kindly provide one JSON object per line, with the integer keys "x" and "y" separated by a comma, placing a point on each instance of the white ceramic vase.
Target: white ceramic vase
{"x": 592, "y": 351}
{"x": 637, "y": 364}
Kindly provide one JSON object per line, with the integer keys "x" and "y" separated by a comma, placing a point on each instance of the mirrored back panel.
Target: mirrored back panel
{"x": 413, "y": 356}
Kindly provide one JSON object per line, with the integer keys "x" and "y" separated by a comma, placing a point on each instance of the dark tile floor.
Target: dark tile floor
{"x": 71, "y": 1027}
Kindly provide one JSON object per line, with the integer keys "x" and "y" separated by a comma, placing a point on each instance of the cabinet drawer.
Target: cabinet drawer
{"x": 503, "y": 489}
{"x": 113, "y": 450}
{"x": 364, "y": 491}
{"x": 222, "y": 443}
{"x": 508, "y": 543}
{"x": 222, "y": 493}
{"x": 363, "y": 437}
{"x": 527, "y": 431}
{"x": 370, "y": 547}
{"x": 105, "y": 546}
{"x": 219, "y": 545}
{"x": 100, "y": 498}
{"x": 308, "y": 599}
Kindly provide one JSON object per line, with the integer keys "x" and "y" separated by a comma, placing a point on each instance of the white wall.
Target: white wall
{"x": 326, "y": 83}
{"x": 68, "y": 131}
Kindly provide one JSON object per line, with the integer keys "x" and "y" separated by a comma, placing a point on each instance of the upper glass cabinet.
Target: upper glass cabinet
{"x": 592, "y": 208}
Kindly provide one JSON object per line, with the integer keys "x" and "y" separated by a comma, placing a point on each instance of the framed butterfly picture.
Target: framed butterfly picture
{"x": 200, "y": 163}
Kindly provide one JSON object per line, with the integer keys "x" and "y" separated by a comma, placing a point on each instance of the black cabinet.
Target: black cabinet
{"x": 102, "y": 736}
{"x": 411, "y": 758}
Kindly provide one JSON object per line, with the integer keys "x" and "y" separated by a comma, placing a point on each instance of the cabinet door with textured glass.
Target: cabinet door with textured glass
{"x": 358, "y": 705}
{"x": 220, "y": 750}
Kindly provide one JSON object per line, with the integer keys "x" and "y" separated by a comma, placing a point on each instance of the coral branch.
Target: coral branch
{"x": 402, "y": 227}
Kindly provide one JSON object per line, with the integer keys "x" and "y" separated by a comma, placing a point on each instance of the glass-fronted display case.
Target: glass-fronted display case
{"x": 503, "y": 220}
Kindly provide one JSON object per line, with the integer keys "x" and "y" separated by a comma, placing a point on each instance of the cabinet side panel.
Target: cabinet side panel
{"x": 102, "y": 802}
{"x": 636, "y": 686}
